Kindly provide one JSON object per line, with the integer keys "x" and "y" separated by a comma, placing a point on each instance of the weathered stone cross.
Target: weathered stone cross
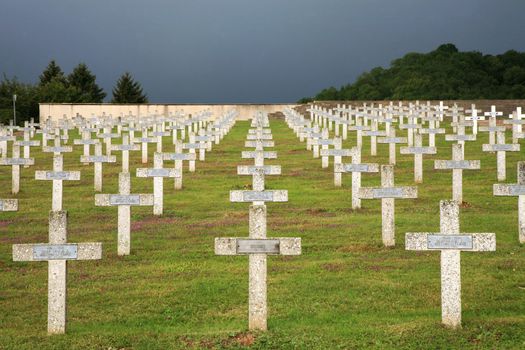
{"x": 388, "y": 194}
{"x": 57, "y": 175}
{"x": 501, "y": 148}
{"x": 457, "y": 164}
{"x": 178, "y": 157}
{"x": 125, "y": 147}
{"x": 124, "y": 200}
{"x": 158, "y": 173}
{"x": 418, "y": 150}
{"x": 474, "y": 117}
{"x": 57, "y": 252}
{"x": 450, "y": 242}
{"x": 15, "y": 163}
{"x": 391, "y": 139}
{"x": 516, "y": 190}
{"x": 257, "y": 247}
{"x": 356, "y": 168}
{"x": 98, "y": 159}
{"x": 338, "y": 153}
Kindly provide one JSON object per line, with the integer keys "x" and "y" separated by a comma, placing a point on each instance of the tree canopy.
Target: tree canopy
{"x": 445, "y": 73}
{"x": 128, "y": 90}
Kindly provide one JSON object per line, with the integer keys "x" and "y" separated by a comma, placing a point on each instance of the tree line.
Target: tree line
{"x": 54, "y": 86}
{"x": 442, "y": 74}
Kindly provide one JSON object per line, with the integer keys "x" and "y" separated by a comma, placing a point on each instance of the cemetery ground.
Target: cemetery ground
{"x": 345, "y": 291}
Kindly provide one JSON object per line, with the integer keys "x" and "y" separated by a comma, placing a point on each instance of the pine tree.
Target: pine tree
{"x": 85, "y": 88}
{"x": 52, "y": 72}
{"x": 128, "y": 91}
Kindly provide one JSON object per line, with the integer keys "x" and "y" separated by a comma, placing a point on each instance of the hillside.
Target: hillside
{"x": 445, "y": 73}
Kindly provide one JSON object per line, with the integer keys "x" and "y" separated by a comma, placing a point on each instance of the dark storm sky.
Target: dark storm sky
{"x": 244, "y": 50}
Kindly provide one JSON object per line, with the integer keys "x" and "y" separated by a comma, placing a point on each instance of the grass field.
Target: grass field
{"x": 345, "y": 291}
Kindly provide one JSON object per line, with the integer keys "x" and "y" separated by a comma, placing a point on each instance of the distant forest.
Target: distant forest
{"x": 444, "y": 73}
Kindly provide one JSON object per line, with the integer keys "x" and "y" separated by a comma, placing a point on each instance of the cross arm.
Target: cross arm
{"x": 388, "y": 192}
{"x": 8, "y": 204}
{"x": 246, "y": 246}
{"x": 46, "y": 252}
{"x": 508, "y": 190}
{"x": 106, "y": 200}
{"x": 457, "y": 164}
{"x": 255, "y": 169}
{"x": 163, "y": 172}
{"x": 359, "y": 168}
{"x": 477, "y": 242}
{"x": 57, "y": 175}
{"x": 259, "y": 196}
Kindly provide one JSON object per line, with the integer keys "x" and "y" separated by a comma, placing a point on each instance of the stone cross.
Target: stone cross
{"x": 517, "y": 123}
{"x": 374, "y": 133}
{"x": 57, "y": 148}
{"x": 257, "y": 247}
{"x": 57, "y": 252}
{"x": 325, "y": 144}
{"x": 457, "y": 164}
{"x": 178, "y": 157}
{"x": 8, "y": 204}
{"x": 517, "y": 189}
{"x": 418, "y": 150}
{"x": 86, "y": 141}
{"x": 124, "y": 200}
{"x": 388, "y": 193}
{"x": 338, "y": 153}
{"x": 501, "y": 148}
{"x": 27, "y": 143}
{"x": 432, "y": 132}
{"x": 144, "y": 140}
{"x": 205, "y": 142}
{"x": 258, "y": 156}
{"x": 125, "y": 147}
{"x": 392, "y": 140}
{"x": 492, "y": 128}
{"x": 450, "y": 242}
{"x": 158, "y": 173}
{"x": 258, "y": 173}
{"x": 411, "y": 127}
{"x": 98, "y": 159}
{"x": 4, "y": 138}
{"x": 158, "y": 133}
{"x": 107, "y": 135}
{"x": 15, "y": 163}
{"x": 474, "y": 117}
{"x": 192, "y": 146}
{"x": 57, "y": 175}
{"x": 356, "y": 168}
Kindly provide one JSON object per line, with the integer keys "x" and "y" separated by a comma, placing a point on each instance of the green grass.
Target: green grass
{"x": 345, "y": 291}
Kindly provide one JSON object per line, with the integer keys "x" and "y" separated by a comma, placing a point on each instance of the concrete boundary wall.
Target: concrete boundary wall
{"x": 58, "y": 110}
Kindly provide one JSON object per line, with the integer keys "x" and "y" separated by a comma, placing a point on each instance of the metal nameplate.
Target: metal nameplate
{"x": 449, "y": 242}
{"x": 57, "y": 175}
{"x": 358, "y": 168}
{"x": 504, "y": 147}
{"x": 517, "y": 190}
{"x": 158, "y": 172}
{"x": 258, "y": 246}
{"x": 125, "y": 147}
{"x": 457, "y": 164}
{"x": 121, "y": 199}
{"x": 98, "y": 159}
{"x": 388, "y": 192}
{"x": 16, "y": 161}
{"x": 55, "y": 252}
{"x": 263, "y": 196}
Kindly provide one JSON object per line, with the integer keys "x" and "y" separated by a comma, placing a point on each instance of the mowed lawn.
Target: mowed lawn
{"x": 345, "y": 291}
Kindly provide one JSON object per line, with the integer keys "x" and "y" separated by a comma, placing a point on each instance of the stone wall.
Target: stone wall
{"x": 58, "y": 110}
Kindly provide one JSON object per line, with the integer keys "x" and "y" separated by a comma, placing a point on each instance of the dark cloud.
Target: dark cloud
{"x": 243, "y": 50}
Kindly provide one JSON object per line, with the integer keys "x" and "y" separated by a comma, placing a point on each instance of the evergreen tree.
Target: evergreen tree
{"x": 52, "y": 72}
{"x": 128, "y": 90}
{"x": 85, "y": 88}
